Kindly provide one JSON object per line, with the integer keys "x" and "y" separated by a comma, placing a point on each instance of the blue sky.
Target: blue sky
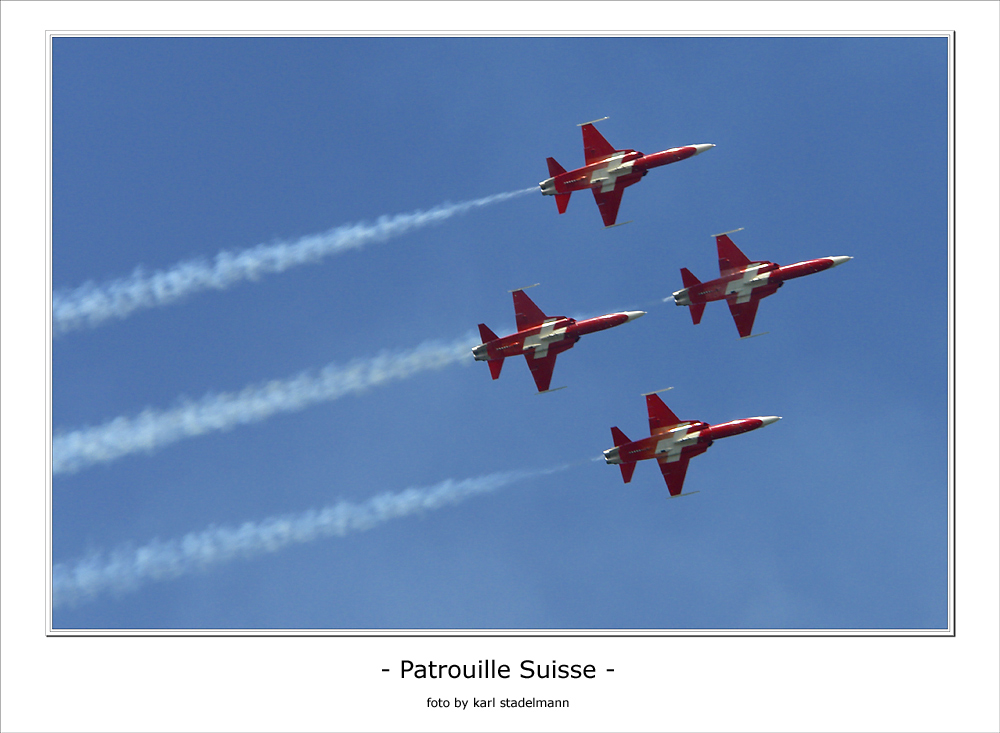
{"x": 167, "y": 150}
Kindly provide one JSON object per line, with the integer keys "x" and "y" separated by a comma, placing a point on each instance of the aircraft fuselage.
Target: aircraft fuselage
{"x": 758, "y": 279}
{"x": 555, "y": 335}
{"x": 616, "y": 171}
{"x": 682, "y": 441}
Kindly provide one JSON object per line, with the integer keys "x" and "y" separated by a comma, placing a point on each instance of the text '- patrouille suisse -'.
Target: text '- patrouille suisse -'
{"x": 490, "y": 669}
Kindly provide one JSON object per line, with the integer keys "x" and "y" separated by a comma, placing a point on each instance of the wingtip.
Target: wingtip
{"x": 731, "y": 231}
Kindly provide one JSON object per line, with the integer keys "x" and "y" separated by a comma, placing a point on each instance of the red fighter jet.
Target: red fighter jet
{"x": 607, "y": 172}
{"x": 673, "y": 442}
{"x": 540, "y": 338}
{"x": 743, "y": 283}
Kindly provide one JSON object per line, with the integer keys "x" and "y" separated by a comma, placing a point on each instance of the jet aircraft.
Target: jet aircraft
{"x": 673, "y": 442}
{"x": 743, "y": 283}
{"x": 540, "y": 338}
{"x": 607, "y": 171}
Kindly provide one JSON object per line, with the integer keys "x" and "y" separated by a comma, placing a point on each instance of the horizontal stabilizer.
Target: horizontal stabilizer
{"x": 554, "y": 168}
{"x": 619, "y": 437}
{"x": 486, "y": 334}
{"x": 688, "y": 278}
{"x": 627, "y": 470}
{"x": 495, "y": 366}
{"x": 562, "y": 201}
{"x": 696, "y": 310}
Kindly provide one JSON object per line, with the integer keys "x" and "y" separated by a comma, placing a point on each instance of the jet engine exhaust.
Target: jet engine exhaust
{"x": 127, "y": 568}
{"x": 91, "y": 304}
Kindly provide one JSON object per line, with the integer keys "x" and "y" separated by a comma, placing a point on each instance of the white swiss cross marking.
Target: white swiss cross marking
{"x": 607, "y": 174}
{"x": 669, "y": 448}
{"x": 541, "y": 340}
{"x": 741, "y": 287}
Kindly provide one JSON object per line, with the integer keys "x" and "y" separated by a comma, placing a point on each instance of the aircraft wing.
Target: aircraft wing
{"x": 743, "y": 314}
{"x": 673, "y": 473}
{"x": 731, "y": 257}
{"x": 595, "y": 147}
{"x": 541, "y": 369}
{"x": 608, "y": 203}
{"x": 660, "y": 416}
{"x": 526, "y": 313}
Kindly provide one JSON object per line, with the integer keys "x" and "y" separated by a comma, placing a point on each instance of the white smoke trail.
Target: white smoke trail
{"x": 153, "y": 429}
{"x": 91, "y": 304}
{"x": 125, "y": 568}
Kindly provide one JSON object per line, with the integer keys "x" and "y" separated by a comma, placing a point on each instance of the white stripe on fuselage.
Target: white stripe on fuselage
{"x": 541, "y": 340}
{"x": 607, "y": 174}
{"x": 742, "y": 287}
{"x": 669, "y": 447}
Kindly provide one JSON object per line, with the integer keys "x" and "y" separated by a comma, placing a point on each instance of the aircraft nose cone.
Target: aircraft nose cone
{"x": 839, "y": 260}
{"x": 632, "y": 315}
{"x": 699, "y": 149}
{"x": 768, "y": 420}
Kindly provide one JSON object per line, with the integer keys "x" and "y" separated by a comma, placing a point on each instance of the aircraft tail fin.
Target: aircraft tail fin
{"x": 562, "y": 199}
{"x": 689, "y": 279}
{"x": 619, "y": 437}
{"x": 627, "y": 470}
{"x": 689, "y": 282}
{"x": 486, "y": 334}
